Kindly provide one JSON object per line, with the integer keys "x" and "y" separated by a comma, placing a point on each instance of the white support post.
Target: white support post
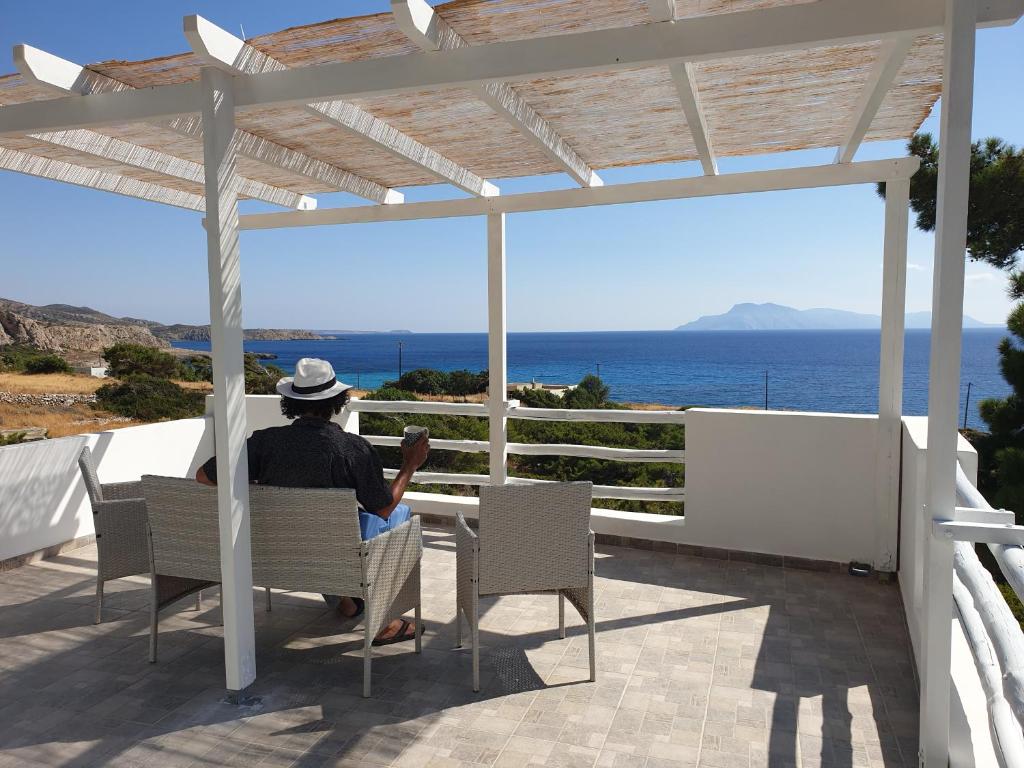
{"x": 890, "y": 373}
{"x": 228, "y": 377}
{"x": 944, "y": 373}
{"x": 497, "y": 362}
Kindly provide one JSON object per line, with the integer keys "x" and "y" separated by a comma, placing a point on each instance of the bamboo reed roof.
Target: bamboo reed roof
{"x": 753, "y": 105}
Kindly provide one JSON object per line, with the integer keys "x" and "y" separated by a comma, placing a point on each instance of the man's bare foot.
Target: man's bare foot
{"x": 396, "y": 632}
{"x": 348, "y": 607}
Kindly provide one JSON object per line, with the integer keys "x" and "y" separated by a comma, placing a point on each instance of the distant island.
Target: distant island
{"x": 776, "y": 317}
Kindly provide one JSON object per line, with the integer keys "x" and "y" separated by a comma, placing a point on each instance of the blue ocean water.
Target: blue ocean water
{"x": 807, "y": 370}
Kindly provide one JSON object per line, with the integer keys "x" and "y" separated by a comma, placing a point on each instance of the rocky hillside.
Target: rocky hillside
{"x": 67, "y": 336}
{"x": 65, "y": 328}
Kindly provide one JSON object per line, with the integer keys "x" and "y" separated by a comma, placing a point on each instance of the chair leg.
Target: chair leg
{"x": 561, "y": 615}
{"x": 154, "y": 625}
{"x": 367, "y": 654}
{"x": 458, "y": 627}
{"x": 268, "y": 599}
{"x": 99, "y": 600}
{"x": 199, "y": 600}
{"x": 474, "y": 629}
{"x": 591, "y": 629}
{"x": 419, "y": 629}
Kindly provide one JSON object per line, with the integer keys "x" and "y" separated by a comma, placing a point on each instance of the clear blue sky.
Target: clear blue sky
{"x": 646, "y": 266}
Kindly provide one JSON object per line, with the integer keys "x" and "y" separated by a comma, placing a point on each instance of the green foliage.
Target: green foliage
{"x": 124, "y": 360}
{"x": 390, "y": 393}
{"x": 1016, "y": 607}
{"x": 149, "y": 398}
{"x": 591, "y": 392}
{"x": 12, "y": 439}
{"x": 195, "y": 368}
{"x": 995, "y": 213}
{"x": 47, "y": 363}
{"x": 260, "y": 379}
{"x": 427, "y": 381}
{"x": 22, "y": 359}
{"x": 537, "y": 398}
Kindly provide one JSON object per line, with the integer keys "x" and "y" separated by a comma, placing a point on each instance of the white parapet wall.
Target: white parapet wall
{"x": 43, "y": 502}
{"x": 782, "y": 483}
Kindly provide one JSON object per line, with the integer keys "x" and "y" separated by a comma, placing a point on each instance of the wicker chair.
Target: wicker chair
{"x": 532, "y": 539}
{"x": 119, "y": 518}
{"x": 303, "y": 539}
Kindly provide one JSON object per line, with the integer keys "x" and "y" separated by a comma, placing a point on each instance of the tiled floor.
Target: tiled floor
{"x": 700, "y": 661}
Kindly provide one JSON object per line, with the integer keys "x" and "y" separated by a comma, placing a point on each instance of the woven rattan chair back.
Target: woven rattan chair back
{"x": 184, "y": 527}
{"x": 533, "y": 537}
{"x": 92, "y": 481}
{"x": 305, "y": 539}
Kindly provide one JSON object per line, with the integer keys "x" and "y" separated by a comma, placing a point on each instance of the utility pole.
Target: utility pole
{"x": 598, "y": 370}
{"x": 400, "y": 344}
{"x": 766, "y": 389}
{"x": 967, "y": 403}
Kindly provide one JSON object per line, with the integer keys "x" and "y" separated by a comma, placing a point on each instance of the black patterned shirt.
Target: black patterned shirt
{"x": 313, "y": 453}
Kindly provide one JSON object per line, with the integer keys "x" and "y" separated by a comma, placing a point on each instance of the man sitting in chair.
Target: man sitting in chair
{"x": 315, "y": 452}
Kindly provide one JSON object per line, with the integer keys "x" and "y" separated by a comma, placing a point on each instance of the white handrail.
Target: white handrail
{"x": 417, "y": 406}
{"x": 1001, "y": 628}
{"x": 1005, "y": 728}
{"x": 597, "y": 452}
{"x": 633, "y": 493}
{"x": 1010, "y": 558}
{"x": 597, "y": 415}
{"x": 466, "y": 446}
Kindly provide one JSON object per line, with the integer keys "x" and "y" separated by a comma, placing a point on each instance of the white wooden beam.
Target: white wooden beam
{"x": 229, "y": 417}
{"x": 944, "y": 371}
{"x": 109, "y": 148}
{"x": 424, "y": 27}
{"x": 661, "y": 10}
{"x": 702, "y": 38}
{"x": 67, "y": 77}
{"x": 615, "y": 194}
{"x": 684, "y": 76}
{"x": 57, "y": 170}
{"x": 497, "y": 353}
{"x": 890, "y": 60}
{"x": 890, "y": 375}
{"x": 222, "y": 49}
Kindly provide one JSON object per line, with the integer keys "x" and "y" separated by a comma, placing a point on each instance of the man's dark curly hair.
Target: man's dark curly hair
{"x": 293, "y": 408}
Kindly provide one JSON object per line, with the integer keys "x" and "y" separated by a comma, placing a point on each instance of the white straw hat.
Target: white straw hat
{"x": 314, "y": 379}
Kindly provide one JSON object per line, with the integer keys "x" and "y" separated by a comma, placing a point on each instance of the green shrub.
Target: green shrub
{"x": 195, "y": 368}
{"x": 149, "y": 398}
{"x": 12, "y": 439}
{"x": 124, "y": 360}
{"x": 47, "y": 363}
{"x": 428, "y": 381}
{"x": 260, "y": 379}
{"x": 390, "y": 393}
{"x": 24, "y": 359}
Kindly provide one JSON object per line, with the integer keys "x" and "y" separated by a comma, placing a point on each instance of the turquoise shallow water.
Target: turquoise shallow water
{"x": 807, "y": 370}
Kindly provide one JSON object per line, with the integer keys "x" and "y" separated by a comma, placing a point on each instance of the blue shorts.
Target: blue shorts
{"x": 370, "y": 526}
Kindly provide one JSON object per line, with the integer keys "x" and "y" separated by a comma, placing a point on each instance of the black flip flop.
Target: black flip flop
{"x": 401, "y": 635}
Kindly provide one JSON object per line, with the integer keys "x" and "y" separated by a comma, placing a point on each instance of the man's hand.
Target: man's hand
{"x": 414, "y": 456}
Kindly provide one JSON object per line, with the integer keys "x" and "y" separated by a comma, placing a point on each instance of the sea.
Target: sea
{"x": 834, "y": 371}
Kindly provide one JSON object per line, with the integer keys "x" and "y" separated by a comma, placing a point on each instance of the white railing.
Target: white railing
{"x": 515, "y": 411}
{"x": 993, "y": 633}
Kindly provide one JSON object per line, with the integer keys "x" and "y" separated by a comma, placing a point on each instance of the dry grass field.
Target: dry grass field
{"x": 60, "y": 421}
{"x": 49, "y": 383}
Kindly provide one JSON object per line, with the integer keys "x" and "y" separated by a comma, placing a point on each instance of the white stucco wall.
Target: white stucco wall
{"x": 797, "y": 484}
{"x": 42, "y": 497}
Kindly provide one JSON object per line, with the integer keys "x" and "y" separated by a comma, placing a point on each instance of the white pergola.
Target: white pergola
{"x": 282, "y": 117}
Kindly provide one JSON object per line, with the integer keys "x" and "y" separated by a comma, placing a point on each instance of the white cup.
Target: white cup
{"x": 412, "y": 434}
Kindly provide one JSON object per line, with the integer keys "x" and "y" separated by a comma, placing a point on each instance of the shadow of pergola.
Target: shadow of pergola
{"x": 307, "y": 658}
